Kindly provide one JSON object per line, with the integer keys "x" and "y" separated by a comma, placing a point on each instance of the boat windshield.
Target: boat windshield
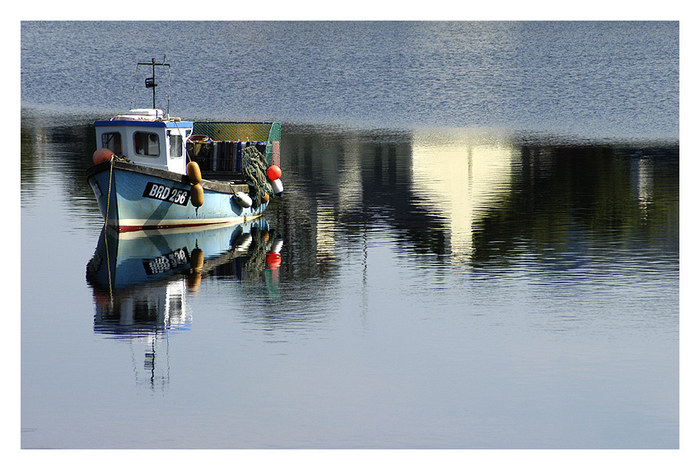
{"x": 175, "y": 146}
{"x": 146, "y": 143}
{"x": 113, "y": 142}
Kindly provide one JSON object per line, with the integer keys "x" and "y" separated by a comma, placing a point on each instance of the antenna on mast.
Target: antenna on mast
{"x": 151, "y": 81}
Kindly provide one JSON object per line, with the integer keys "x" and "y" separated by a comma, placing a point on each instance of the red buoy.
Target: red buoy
{"x": 274, "y": 172}
{"x": 102, "y": 155}
{"x": 273, "y": 260}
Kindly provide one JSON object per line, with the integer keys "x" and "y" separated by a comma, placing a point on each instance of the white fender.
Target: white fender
{"x": 277, "y": 245}
{"x": 242, "y": 199}
{"x": 277, "y": 186}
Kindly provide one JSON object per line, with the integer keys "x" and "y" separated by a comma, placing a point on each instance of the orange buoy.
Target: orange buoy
{"x": 197, "y": 259}
{"x": 194, "y": 173}
{"x": 102, "y": 155}
{"x": 265, "y": 198}
{"x": 274, "y": 172}
{"x": 197, "y": 195}
{"x": 194, "y": 279}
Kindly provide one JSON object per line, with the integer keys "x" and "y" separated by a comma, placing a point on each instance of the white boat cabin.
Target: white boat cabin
{"x": 147, "y": 137}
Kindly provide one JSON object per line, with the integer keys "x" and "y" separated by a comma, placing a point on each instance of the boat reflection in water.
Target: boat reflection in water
{"x": 141, "y": 280}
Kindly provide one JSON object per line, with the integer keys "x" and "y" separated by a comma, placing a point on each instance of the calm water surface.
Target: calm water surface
{"x": 489, "y": 279}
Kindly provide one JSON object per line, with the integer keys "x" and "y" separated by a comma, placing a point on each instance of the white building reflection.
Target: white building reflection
{"x": 457, "y": 175}
{"x": 643, "y": 169}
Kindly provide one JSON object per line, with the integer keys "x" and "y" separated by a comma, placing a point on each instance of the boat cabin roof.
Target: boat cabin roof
{"x": 145, "y": 118}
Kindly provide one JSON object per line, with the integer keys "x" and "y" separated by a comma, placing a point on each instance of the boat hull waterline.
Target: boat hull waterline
{"x": 135, "y": 197}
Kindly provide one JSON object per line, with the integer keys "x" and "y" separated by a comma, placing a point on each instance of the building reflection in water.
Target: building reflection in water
{"x": 468, "y": 196}
{"x": 642, "y": 168}
{"x": 458, "y": 176}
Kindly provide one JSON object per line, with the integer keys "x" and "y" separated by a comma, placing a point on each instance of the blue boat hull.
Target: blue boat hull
{"x": 128, "y": 260}
{"x": 134, "y": 197}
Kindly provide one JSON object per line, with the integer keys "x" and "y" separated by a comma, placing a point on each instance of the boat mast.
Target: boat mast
{"x": 151, "y": 81}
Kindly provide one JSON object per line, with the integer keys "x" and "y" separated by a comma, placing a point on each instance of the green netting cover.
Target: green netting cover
{"x": 270, "y": 132}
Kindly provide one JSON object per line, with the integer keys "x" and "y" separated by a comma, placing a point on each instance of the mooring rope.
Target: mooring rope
{"x": 109, "y": 196}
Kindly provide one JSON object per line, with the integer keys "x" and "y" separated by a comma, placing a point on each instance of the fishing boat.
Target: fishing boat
{"x": 155, "y": 171}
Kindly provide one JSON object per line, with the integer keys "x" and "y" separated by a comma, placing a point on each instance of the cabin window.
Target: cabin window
{"x": 147, "y": 144}
{"x": 175, "y": 146}
{"x": 113, "y": 142}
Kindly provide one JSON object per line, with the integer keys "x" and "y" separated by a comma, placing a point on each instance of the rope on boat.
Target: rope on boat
{"x": 254, "y": 167}
{"x": 109, "y": 196}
